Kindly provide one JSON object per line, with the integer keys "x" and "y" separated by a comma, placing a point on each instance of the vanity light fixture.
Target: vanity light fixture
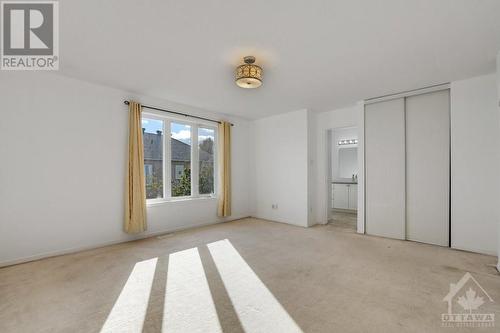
{"x": 348, "y": 142}
{"x": 249, "y": 75}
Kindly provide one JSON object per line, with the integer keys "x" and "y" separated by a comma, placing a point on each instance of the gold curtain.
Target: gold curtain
{"x": 224, "y": 153}
{"x": 135, "y": 189}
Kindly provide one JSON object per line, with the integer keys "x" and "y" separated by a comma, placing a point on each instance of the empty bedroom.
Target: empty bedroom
{"x": 263, "y": 166}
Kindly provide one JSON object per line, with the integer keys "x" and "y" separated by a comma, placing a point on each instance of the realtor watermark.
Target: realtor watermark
{"x": 30, "y": 35}
{"x": 465, "y": 299}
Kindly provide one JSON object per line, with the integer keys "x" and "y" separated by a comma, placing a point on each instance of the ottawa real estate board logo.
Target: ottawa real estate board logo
{"x": 30, "y": 35}
{"x": 467, "y": 305}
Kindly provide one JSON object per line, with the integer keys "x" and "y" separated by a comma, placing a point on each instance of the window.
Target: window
{"x": 179, "y": 154}
{"x": 179, "y": 170}
{"x": 152, "y": 132}
{"x": 206, "y": 142}
{"x": 180, "y": 146}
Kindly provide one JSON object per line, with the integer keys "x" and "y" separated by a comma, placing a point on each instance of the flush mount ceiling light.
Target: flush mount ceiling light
{"x": 249, "y": 75}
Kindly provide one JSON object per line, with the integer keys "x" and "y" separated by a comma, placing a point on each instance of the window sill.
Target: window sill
{"x": 156, "y": 202}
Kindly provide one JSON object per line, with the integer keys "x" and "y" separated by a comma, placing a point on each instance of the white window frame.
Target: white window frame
{"x": 167, "y": 151}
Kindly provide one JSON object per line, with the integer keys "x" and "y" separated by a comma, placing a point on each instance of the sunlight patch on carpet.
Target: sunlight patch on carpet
{"x": 130, "y": 308}
{"x": 256, "y": 307}
{"x": 188, "y": 302}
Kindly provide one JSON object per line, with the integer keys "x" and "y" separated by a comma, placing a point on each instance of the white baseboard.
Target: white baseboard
{"x": 99, "y": 245}
{"x": 474, "y": 250}
{"x": 283, "y": 221}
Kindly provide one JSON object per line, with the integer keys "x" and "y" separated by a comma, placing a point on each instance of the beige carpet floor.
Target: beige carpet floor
{"x": 245, "y": 276}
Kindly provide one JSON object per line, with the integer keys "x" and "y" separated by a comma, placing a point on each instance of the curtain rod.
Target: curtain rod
{"x": 178, "y": 113}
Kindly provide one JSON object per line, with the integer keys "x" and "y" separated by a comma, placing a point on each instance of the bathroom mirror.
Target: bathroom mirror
{"x": 348, "y": 162}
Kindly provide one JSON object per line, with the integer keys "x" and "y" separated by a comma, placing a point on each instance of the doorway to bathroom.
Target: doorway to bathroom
{"x": 343, "y": 177}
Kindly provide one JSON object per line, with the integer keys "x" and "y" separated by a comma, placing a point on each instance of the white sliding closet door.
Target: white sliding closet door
{"x": 385, "y": 168}
{"x": 428, "y": 167}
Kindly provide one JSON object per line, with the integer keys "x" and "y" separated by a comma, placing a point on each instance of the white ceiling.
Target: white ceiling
{"x": 318, "y": 55}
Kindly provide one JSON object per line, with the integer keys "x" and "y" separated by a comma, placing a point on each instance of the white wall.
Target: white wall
{"x": 475, "y": 164}
{"x": 311, "y": 173}
{"x": 345, "y": 117}
{"x": 63, "y": 152}
{"x": 281, "y": 167}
